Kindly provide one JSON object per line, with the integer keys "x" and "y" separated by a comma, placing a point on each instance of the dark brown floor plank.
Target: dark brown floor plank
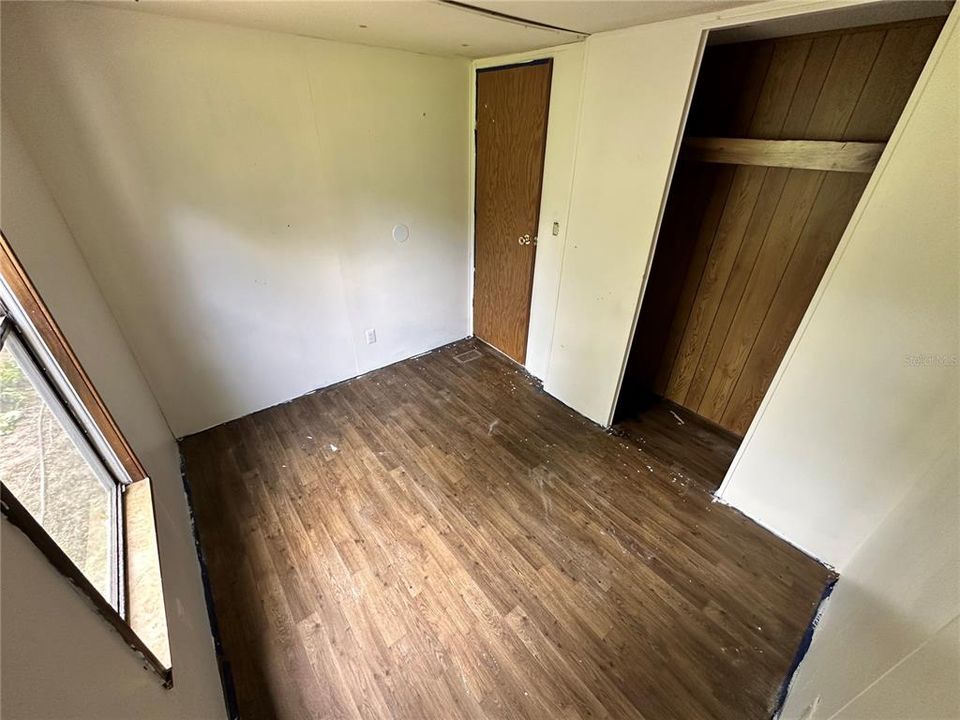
{"x": 444, "y": 540}
{"x": 695, "y": 449}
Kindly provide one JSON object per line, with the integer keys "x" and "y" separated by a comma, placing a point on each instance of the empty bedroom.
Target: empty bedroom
{"x": 526, "y": 359}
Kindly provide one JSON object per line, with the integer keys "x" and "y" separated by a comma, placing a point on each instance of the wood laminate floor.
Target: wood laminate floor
{"x": 691, "y": 447}
{"x": 443, "y": 540}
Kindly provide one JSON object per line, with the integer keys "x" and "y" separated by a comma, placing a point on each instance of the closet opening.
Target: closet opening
{"x": 784, "y": 131}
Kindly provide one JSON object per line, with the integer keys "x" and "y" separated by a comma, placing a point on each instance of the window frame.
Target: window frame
{"x": 65, "y": 409}
{"x": 27, "y": 322}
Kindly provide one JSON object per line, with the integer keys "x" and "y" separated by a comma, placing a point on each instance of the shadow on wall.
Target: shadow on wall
{"x": 899, "y": 591}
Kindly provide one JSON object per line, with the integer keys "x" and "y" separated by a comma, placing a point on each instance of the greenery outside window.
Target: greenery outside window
{"x": 48, "y": 461}
{"x": 69, "y": 479}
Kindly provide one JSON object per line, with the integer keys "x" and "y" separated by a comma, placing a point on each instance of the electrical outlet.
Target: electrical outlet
{"x": 371, "y": 336}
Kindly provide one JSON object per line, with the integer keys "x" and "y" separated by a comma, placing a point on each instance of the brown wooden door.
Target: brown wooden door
{"x": 511, "y": 137}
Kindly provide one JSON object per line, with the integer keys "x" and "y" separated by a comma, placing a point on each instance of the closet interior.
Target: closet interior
{"x": 782, "y": 137}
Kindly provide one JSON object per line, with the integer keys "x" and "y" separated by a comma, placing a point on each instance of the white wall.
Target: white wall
{"x": 60, "y": 659}
{"x": 882, "y": 298}
{"x": 852, "y": 456}
{"x": 922, "y": 685}
{"x": 634, "y": 94}
{"x": 234, "y": 192}
{"x": 562, "y": 121}
{"x": 899, "y": 595}
{"x": 213, "y": 291}
{"x": 636, "y": 86}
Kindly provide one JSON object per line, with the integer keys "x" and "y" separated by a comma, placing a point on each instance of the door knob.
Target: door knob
{"x": 525, "y": 239}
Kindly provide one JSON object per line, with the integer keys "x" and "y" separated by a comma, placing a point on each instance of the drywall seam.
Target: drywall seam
{"x": 933, "y": 636}
{"x": 918, "y": 478}
{"x": 678, "y": 141}
{"x": 96, "y": 283}
{"x": 573, "y": 184}
{"x": 566, "y": 219}
{"x": 471, "y": 130}
{"x": 345, "y": 303}
{"x": 318, "y": 138}
{"x": 932, "y": 62}
{"x": 471, "y": 187}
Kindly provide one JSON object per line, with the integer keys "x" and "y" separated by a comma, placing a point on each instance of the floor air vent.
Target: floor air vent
{"x": 467, "y": 356}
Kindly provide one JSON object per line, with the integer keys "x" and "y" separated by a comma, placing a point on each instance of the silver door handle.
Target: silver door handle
{"x": 526, "y": 240}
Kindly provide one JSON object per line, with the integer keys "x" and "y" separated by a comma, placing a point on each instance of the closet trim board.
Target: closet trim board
{"x": 829, "y": 155}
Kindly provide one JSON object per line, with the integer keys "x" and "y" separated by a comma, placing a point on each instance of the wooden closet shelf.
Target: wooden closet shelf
{"x": 854, "y": 157}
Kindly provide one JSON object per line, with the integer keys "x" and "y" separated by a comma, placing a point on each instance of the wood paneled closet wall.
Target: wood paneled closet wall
{"x": 750, "y": 225}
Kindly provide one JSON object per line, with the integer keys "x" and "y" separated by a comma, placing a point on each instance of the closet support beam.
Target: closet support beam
{"x": 854, "y": 157}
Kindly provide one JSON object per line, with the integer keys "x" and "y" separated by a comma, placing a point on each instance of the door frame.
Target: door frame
{"x": 542, "y": 57}
{"x": 829, "y": 17}
{"x": 563, "y": 128}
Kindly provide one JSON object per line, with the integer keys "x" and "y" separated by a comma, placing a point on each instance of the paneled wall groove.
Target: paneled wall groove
{"x": 746, "y": 245}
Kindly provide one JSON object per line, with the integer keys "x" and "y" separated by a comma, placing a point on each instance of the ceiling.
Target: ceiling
{"x": 592, "y": 16}
{"x": 848, "y": 16}
{"x": 434, "y": 27}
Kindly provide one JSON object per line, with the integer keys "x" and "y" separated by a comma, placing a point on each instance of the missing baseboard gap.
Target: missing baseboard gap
{"x": 223, "y": 663}
{"x": 803, "y": 647}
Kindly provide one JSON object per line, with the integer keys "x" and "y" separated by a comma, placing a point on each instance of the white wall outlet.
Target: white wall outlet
{"x": 371, "y": 336}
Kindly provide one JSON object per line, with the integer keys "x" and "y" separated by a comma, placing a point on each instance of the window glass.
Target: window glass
{"x": 47, "y": 468}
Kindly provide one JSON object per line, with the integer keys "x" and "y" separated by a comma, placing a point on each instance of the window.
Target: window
{"x": 48, "y": 462}
{"x": 69, "y": 479}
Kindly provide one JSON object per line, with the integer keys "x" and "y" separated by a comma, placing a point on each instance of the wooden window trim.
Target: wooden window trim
{"x": 16, "y": 277}
{"x": 21, "y": 518}
{"x": 63, "y": 355}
